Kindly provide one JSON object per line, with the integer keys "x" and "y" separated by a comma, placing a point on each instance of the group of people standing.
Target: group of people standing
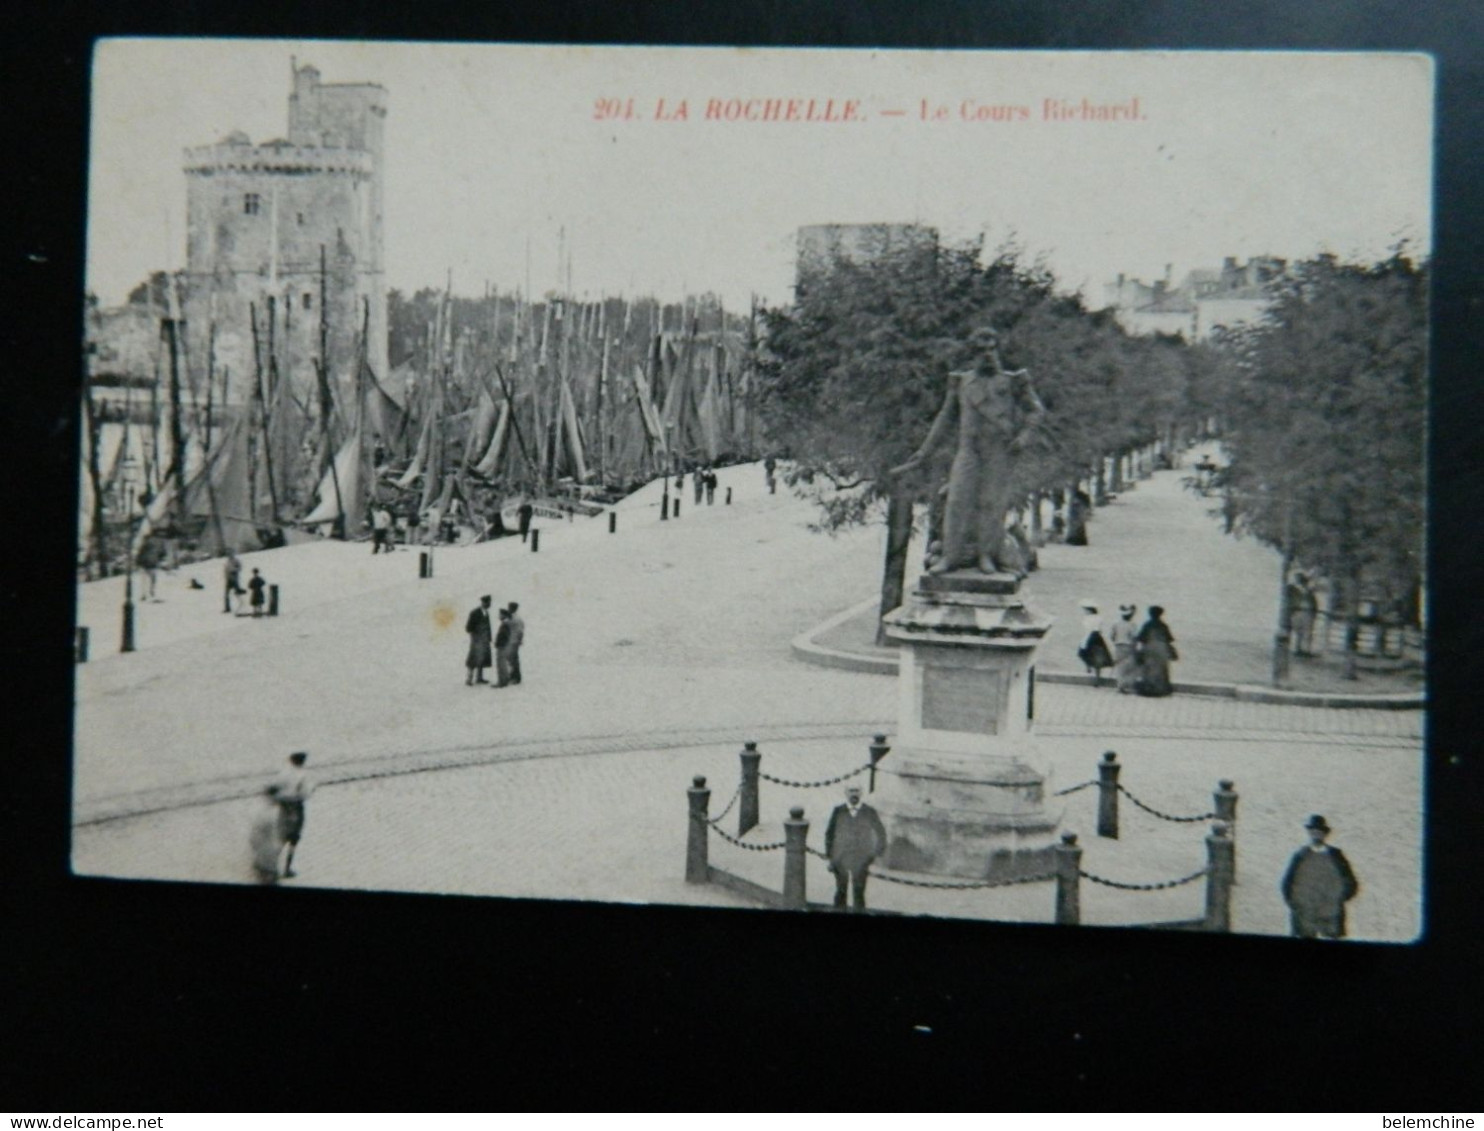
{"x": 1139, "y": 656}
{"x": 489, "y": 645}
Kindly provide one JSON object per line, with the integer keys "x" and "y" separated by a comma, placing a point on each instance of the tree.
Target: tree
{"x": 1323, "y": 421}
{"x": 854, "y": 372}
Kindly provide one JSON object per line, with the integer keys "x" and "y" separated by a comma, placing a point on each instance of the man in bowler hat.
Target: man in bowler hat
{"x": 852, "y": 840}
{"x": 1317, "y": 885}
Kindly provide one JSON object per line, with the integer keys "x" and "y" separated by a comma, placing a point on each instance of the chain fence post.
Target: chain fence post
{"x": 747, "y": 812}
{"x": 795, "y": 837}
{"x": 612, "y": 522}
{"x": 1220, "y": 866}
{"x": 535, "y": 540}
{"x": 424, "y": 566}
{"x": 1068, "y": 876}
{"x": 1225, "y": 808}
{"x": 879, "y": 750}
{"x": 696, "y": 842}
{"x": 1108, "y": 795}
{"x": 273, "y": 600}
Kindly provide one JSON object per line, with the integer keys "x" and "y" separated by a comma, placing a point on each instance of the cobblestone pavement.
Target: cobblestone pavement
{"x": 573, "y": 822}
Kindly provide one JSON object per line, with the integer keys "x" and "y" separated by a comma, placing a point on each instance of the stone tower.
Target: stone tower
{"x": 257, "y": 217}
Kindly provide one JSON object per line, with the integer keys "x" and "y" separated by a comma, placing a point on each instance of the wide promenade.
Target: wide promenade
{"x": 651, "y": 654}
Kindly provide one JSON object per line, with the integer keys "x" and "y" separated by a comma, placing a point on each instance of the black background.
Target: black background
{"x": 151, "y": 996}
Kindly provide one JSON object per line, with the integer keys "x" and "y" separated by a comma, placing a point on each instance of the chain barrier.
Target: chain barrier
{"x": 1165, "y": 816}
{"x": 1074, "y": 788}
{"x": 1142, "y": 887}
{"x": 717, "y": 819}
{"x": 729, "y": 838}
{"x": 814, "y": 784}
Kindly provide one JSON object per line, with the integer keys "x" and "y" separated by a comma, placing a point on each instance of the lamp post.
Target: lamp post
{"x": 127, "y": 644}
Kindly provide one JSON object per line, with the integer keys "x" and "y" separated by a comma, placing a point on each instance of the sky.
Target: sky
{"x": 501, "y": 156}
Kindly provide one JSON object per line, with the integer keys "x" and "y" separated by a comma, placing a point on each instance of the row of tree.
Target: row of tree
{"x": 1320, "y": 404}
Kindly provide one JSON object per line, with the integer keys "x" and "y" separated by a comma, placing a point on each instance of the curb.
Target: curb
{"x": 805, "y": 647}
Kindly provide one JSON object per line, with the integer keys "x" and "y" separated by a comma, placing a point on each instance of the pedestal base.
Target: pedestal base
{"x": 975, "y": 817}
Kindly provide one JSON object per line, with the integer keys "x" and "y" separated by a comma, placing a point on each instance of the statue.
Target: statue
{"x": 998, "y": 413}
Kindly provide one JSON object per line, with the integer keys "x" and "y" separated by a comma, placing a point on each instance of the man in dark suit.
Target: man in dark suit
{"x": 478, "y": 628}
{"x": 1318, "y": 884}
{"x": 852, "y": 840}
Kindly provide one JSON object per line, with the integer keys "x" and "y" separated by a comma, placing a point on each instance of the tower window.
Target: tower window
{"x": 308, "y": 300}
{"x": 251, "y": 203}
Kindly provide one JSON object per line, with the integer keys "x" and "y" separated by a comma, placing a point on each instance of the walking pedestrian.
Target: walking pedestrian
{"x": 291, "y": 791}
{"x": 517, "y": 638}
{"x": 1317, "y": 885}
{"x": 1303, "y": 609}
{"x": 265, "y": 838}
{"x": 477, "y": 626}
{"x": 770, "y": 466}
{"x": 148, "y": 559}
{"x": 381, "y": 529}
{"x": 1155, "y": 647}
{"x": 525, "y": 511}
{"x": 255, "y": 586}
{"x": 710, "y": 486}
{"x": 1094, "y": 652}
{"x": 698, "y": 483}
{"x": 232, "y": 576}
{"x": 502, "y": 650}
{"x": 853, "y": 839}
{"x": 1121, "y": 636}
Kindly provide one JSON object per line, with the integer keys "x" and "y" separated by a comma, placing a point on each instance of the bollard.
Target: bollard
{"x": 729, "y": 496}
{"x": 424, "y": 564}
{"x": 127, "y": 642}
{"x": 1221, "y": 863}
{"x": 696, "y": 869}
{"x": 1108, "y": 795}
{"x": 612, "y": 522}
{"x": 665, "y": 508}
{"x": 747, "y": 811}
{"x": 82, "y": 643}
{"x": 772, "y": 486}
{"x": 535, "y": 540}
{"x": 677, "y": 507}
{"x": 795, "y": 837}
{"x": 879, "y": 750}
{"x": 1068, "y": 876}
{"x": 272, "y": 600}
{"x": 1225, "y": 807}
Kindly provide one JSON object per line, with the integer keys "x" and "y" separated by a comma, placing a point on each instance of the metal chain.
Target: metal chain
{"x": 814, "y": 784}
{"x": 726, "y": 836}
{"x": 1142, "y": 887}
{"x": 714, "y": 820}
{"x": 1165, "y": 816}
{"x": 1074, "y": 788}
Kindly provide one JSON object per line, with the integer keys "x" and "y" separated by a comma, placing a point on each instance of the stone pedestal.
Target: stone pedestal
{"x": 967, "y": 792}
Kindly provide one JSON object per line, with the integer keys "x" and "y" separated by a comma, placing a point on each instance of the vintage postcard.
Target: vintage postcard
{"x": 977, "y": 485}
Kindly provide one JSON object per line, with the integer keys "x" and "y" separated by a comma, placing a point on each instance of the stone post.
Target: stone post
{"x": 729, "y": 496}
{"x": 1108, "y": 770}
{"x": 1220, "y": 869}
{"x": 747, "y": 804}
{"x": 677, "y": 506}
{"x": 697, "y": 836}
{"x": 1225, "y": 807}
{"x": 82, "y": 643}
{"x": 535, "y": 540}
{"x": 612, "y": 522}
{"x": 272, "y": 600}
{"x": 424, "y": 564}
{"x": 126, "y": 643}
{"x": 1068, "y": 857}
{"x": 795, "y": 837}
{"x": 879, "y": 750}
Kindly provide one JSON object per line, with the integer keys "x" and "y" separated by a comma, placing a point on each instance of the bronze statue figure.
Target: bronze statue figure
{"x": 998, "y": 413}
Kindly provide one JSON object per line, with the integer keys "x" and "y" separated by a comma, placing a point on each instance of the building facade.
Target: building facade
{"x": 1203, "y": 301}
{"x": 291, "y": 226}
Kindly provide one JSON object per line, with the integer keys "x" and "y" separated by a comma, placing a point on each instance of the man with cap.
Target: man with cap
{"x": 290, "y": 792}
{"x": 480, "y": 633}
{"x": 1121, "y": 636}
{"x": 854, "y": 837}
{"x": 1317, "y": 885}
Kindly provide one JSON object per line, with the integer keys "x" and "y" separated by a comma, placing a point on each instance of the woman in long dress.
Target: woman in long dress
{"x": 1094, "y": 652}
{"x": 1155, "y": 648}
